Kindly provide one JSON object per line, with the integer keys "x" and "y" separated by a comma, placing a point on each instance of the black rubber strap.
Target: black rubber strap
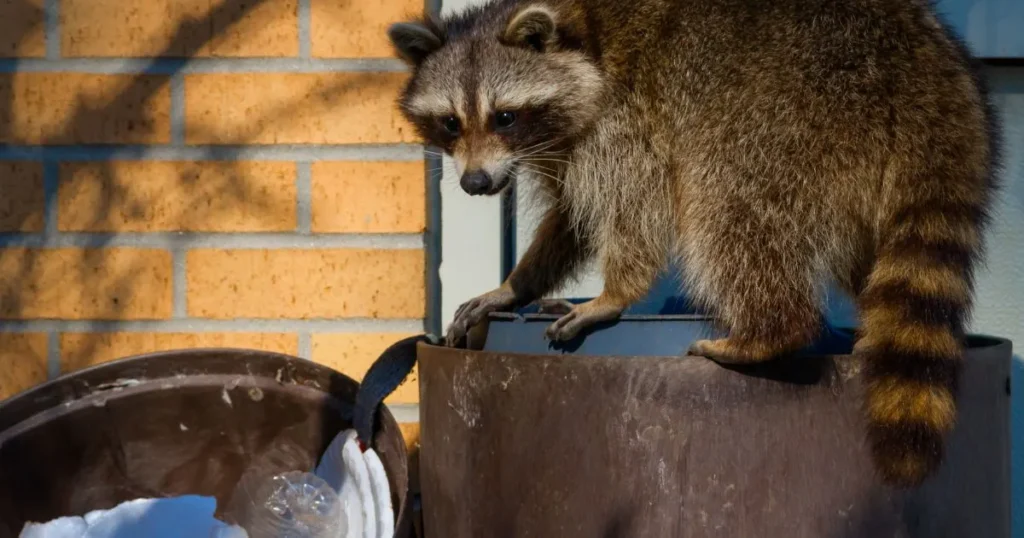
{"x": 383, "y": 377}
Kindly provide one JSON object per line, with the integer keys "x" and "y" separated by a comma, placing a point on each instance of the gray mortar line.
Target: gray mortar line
{"x": 305, "y": 28}
{"x": 53, "y": 354}
{"x": 51, "y": 194}
{"x": 177, "y": 87}
{"x": 304, "y": 197}
{"x": 404, "y": 413}
{"x": 180, "y": 283}
{"x": 306, "y": 345}
{"x": 51, "y": 27}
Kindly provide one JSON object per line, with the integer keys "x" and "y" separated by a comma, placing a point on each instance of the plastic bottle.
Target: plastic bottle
{"x": 291, "y": 505}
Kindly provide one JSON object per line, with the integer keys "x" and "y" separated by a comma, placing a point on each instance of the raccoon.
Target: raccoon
{"x": 768, "y": 148}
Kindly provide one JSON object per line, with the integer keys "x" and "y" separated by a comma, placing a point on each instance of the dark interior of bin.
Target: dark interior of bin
{"x": 172, "y": 424}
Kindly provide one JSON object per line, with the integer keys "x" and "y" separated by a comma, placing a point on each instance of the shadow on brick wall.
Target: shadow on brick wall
{"x": 17, "y": 34}
{"x": 22, "y": 274}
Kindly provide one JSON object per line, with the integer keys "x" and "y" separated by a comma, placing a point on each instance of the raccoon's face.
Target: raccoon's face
{"x": 505, "y": 96}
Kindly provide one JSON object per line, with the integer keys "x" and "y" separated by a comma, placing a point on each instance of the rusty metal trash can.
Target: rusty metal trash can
{"x": 617, "y": 435}
{"x": 167, "y": 424}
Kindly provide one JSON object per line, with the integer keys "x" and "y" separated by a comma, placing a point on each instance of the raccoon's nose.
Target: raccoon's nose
{"x": 478, "y": 182}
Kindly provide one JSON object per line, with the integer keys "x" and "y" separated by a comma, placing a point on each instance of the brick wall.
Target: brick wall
{"x": 181, "y": 173}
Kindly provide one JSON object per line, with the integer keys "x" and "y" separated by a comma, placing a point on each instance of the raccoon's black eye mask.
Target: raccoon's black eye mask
{"x": 451, "y": 125}
{"x": 501, "y": 120}
{"x": 505, "y": 119}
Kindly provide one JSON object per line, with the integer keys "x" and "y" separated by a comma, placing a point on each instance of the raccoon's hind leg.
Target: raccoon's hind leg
{"x": 760, "y": 328}
{"x": 758, "y": 279}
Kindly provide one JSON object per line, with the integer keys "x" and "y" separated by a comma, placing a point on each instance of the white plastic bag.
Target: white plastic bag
{"x": 362, "y": 485}
{"x": 188, "y": 516}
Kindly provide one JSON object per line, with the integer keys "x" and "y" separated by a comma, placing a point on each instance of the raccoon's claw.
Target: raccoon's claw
{"x": 475, "y": 310}
{"x": 559, "y": 307}
{"x": 580, "y": 317}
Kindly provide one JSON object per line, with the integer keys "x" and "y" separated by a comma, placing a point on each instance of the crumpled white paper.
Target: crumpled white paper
{"x": 188, "y": 516}
{"x": 357, "y": 476}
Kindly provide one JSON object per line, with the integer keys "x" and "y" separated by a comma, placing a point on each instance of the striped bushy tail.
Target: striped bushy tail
{"x": 914, "y": 307}
{"x": 934, "y": 204}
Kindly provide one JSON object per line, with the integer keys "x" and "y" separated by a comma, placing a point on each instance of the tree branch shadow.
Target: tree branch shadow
{"x": 126, "y": 111}
{"x": 28, "y": 283}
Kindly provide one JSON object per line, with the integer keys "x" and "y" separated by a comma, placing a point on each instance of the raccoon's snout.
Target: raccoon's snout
{"x": 477, "y": 182}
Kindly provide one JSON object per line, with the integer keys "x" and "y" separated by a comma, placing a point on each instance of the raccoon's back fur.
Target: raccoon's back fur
{"x": 770, "y": 146}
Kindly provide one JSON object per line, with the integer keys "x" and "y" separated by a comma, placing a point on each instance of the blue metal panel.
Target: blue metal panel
{"x": 667, "y": 297}
{"x": 991, "y": 28}
{"x": 662, "y": 323}
{"x": 631, "y": 335}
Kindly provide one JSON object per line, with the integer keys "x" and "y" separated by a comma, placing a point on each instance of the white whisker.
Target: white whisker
{"x": 539, "y": 147}
{"x": 543, "y": 160}
{"x": 534, "y": 170}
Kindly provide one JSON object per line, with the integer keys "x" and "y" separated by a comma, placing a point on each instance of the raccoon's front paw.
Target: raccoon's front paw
{"x": 582, "y": 316}
{"x": 475, "y": 310}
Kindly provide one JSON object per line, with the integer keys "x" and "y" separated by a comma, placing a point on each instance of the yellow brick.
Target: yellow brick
{"x": 352, "y": 355}
{"x": 71, "y": 283}
{"x": 369, "y": 197}
{"x": 21, "y": 29}
{"x": 22, "y": 202}
{"x": 179, "y": 28}
{"x": 411, "y": 434}
{"x": 303, "y": 284}
{"x": 357, "y": 29}
{"x": 81, "y": 350}
{"x": 151, "y": 196}
{"x": 298, "y": 108}
{"x": 22, "y": 362}
{"x": 77, "y": 108}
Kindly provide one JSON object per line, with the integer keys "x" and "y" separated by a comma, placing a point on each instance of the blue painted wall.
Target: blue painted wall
{"x": 995, "y": 29}
{"x": 1000, "y": 302}
{"x": 992, "y": 28}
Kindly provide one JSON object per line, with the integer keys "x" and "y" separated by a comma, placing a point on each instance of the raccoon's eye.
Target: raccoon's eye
{"x": 505, "y": 119}
{"x": 451, "y": 124}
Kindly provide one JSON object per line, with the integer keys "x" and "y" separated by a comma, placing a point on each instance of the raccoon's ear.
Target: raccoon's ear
{"x": 414, "y": 41}
{"x": 533, "y": 27}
